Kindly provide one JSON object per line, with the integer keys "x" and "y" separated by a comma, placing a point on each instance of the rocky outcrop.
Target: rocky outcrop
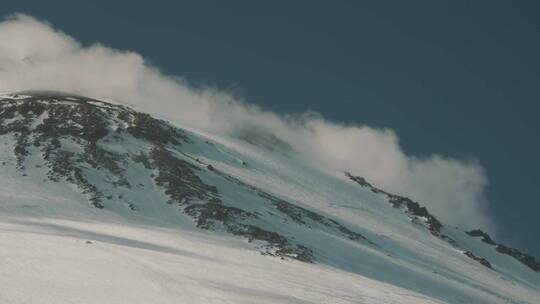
{"x": 480, "y": 260}
{"x": 409, "y": 206}
{"x": 524, "y": 258}
{"x": 485, "y": 237}
{"x": 414, "y": 210}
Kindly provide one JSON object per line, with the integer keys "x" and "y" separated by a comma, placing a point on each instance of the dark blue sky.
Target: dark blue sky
{"x": 458, "y": 78}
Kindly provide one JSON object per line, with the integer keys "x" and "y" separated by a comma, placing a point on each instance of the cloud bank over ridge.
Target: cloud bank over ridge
{"x": 36, "y": 56}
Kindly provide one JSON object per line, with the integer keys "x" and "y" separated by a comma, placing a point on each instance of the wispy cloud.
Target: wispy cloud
{"x": 34, "y": 56}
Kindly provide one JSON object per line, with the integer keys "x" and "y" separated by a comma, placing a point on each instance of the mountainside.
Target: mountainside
{"x": 103, "y": 204}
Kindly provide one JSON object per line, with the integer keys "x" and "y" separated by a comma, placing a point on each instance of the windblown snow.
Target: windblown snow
{"x": 102, "y": 204}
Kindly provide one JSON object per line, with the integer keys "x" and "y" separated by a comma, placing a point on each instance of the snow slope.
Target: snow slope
{"x": 99, "y": 204}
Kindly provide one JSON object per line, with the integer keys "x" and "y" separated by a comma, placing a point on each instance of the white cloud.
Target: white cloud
{"x": 34, "y": 55}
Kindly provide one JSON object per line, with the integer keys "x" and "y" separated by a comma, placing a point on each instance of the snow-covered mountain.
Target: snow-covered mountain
{"x": 102, "y": 204}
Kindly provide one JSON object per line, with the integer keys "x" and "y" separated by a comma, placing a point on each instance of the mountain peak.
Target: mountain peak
{"x": 116, "y": 163}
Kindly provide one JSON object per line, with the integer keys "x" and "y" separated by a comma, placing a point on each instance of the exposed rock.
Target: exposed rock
{"x": 478, "y": 259}
{"x": 524, "y": 258}
{"x": 415, "y": 211}
{"x": 411, "y": 207}
{"x": 485, "y": 237}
